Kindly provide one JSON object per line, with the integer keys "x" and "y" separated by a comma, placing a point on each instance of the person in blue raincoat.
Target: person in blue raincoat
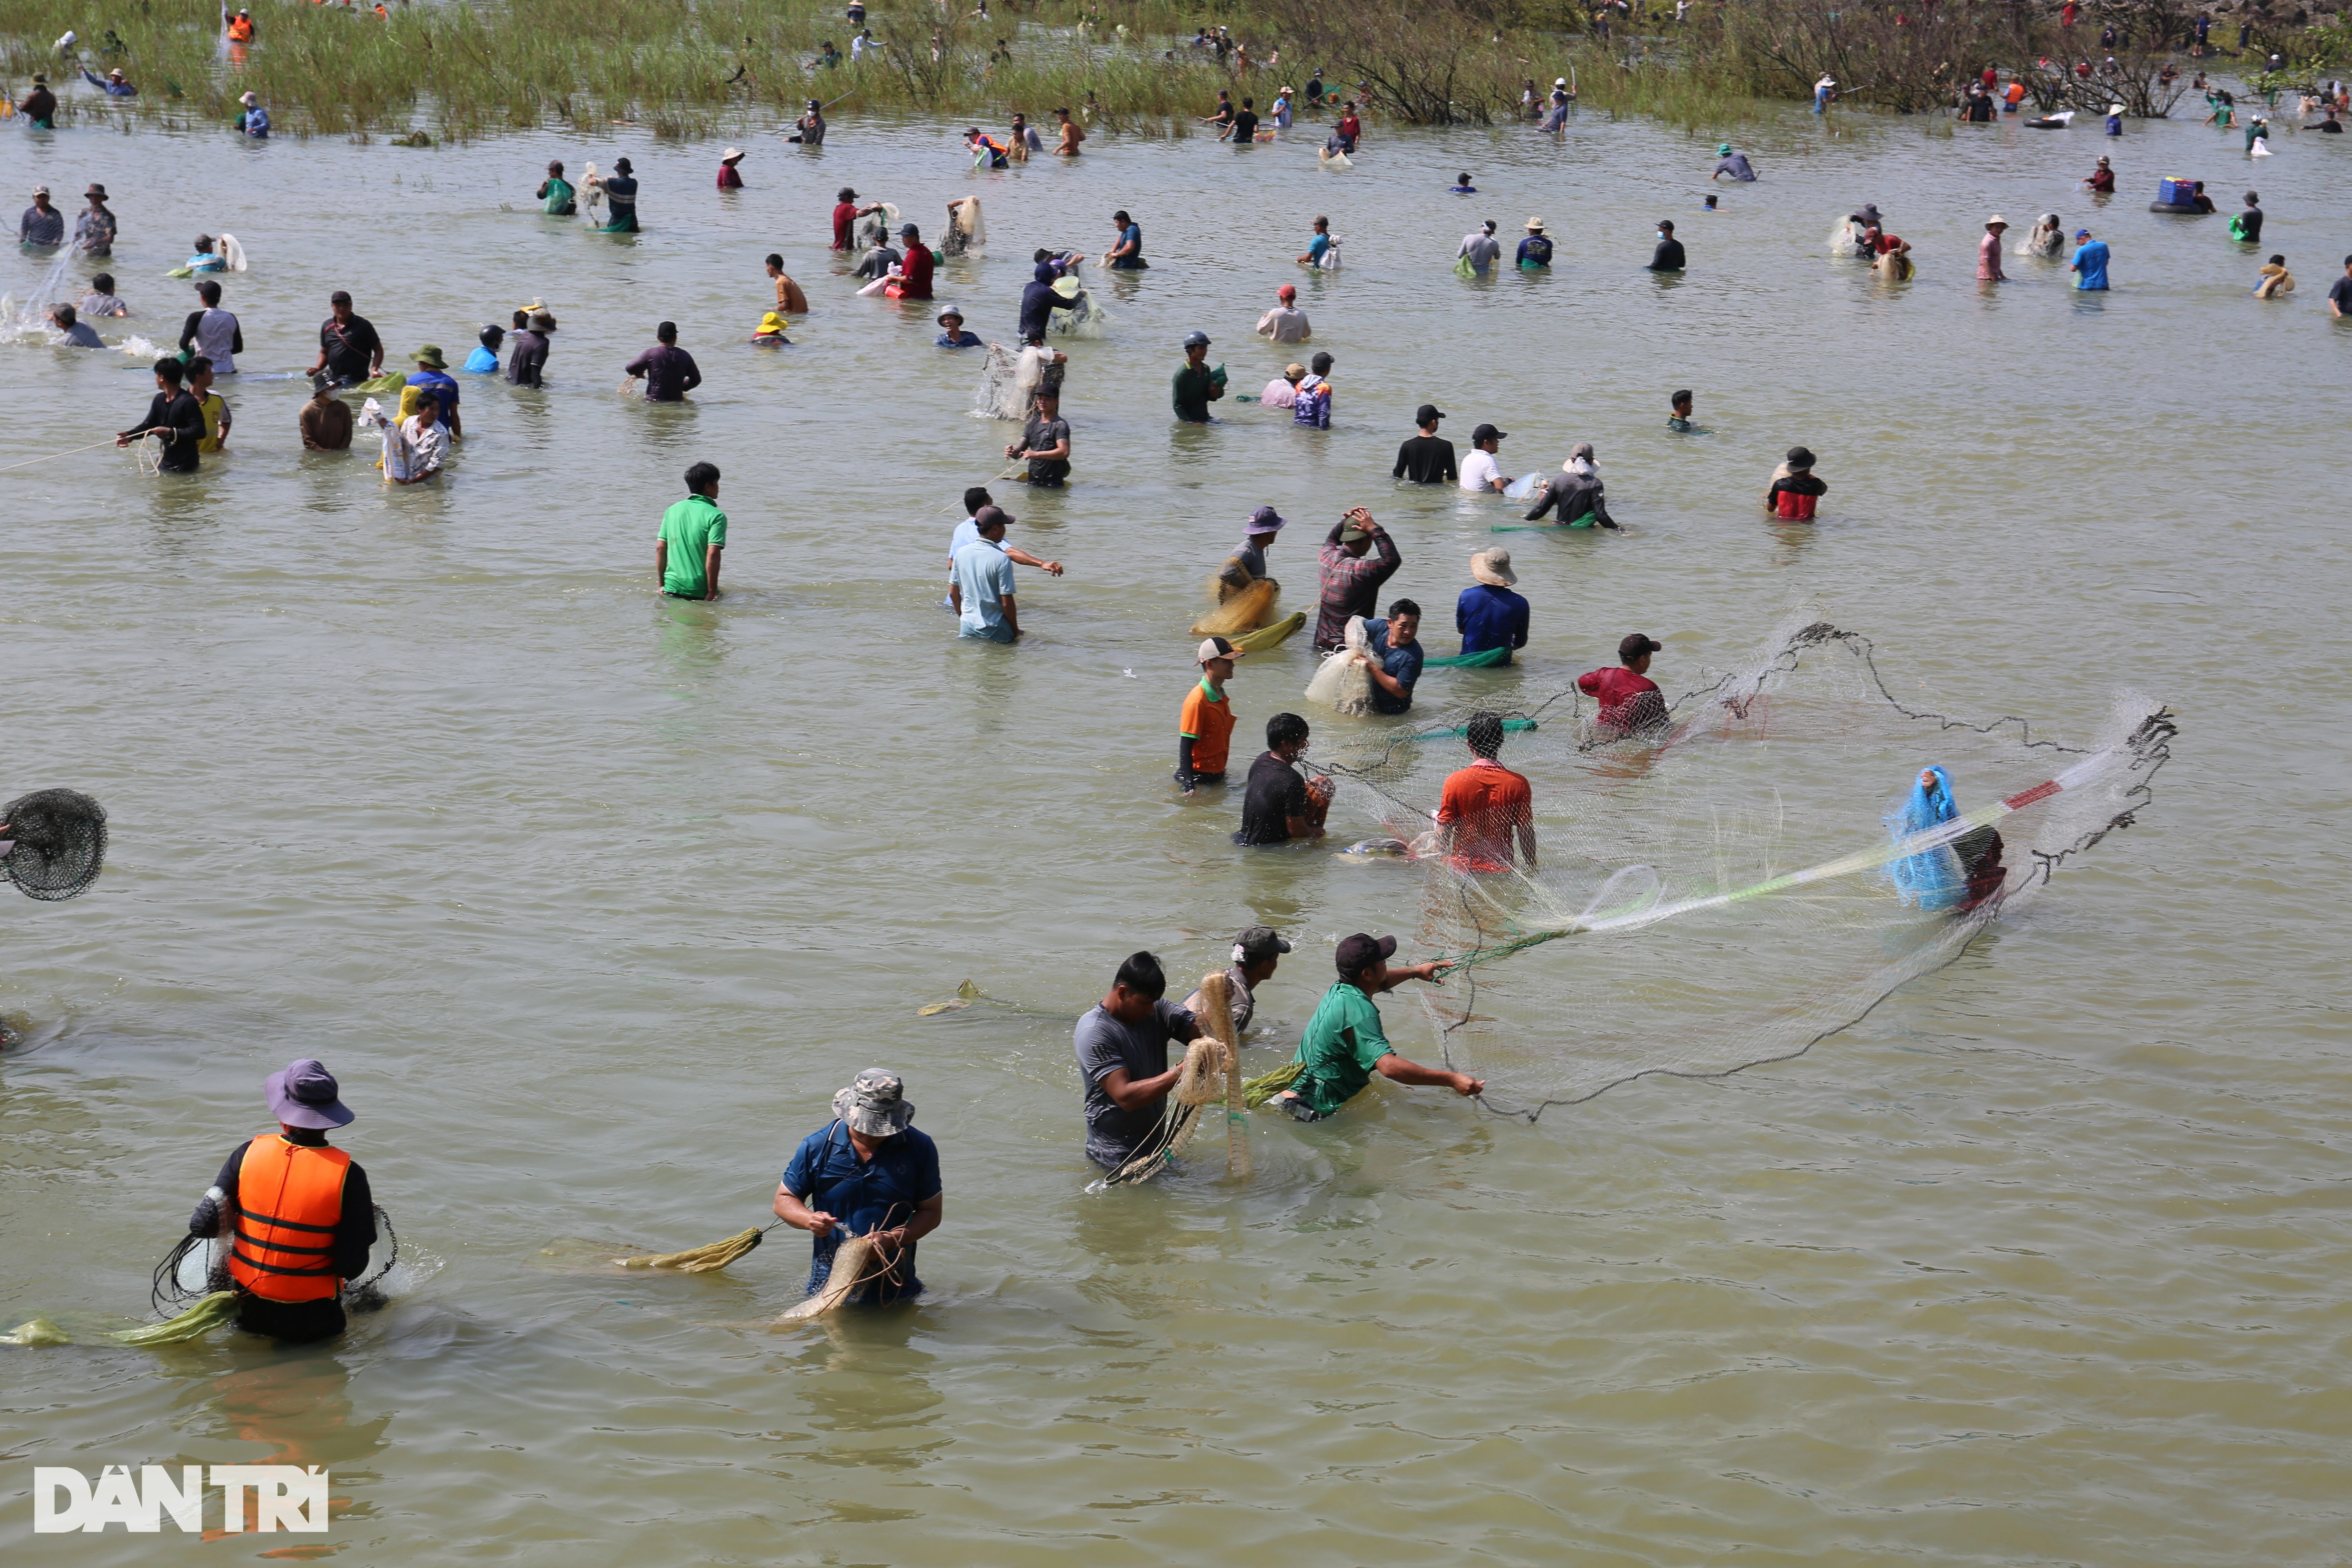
{"x": 869, "y": 1172}
{"x": 1958, "y": 876}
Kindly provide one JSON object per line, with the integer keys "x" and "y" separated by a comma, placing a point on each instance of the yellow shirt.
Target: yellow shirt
{"x": 215, "y": 417}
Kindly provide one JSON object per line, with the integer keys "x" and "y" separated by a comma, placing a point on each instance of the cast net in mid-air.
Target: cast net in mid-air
{"x": 1726, "y": 889}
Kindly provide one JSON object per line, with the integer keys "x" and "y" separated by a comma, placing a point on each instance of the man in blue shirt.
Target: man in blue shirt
{"x": 1319, "y": 245}
{"x": 951, "y": 332}
{"x": 1126, "y": 252}
{"x": 433, "y": 373}
{"x": 1489, "y": 615}
{"x": 2090, "y": 264}
{"x": 982, "y": 592}
{"x": 867, "y": 1173}
{"x": 1535, "y": 251}
{"x": 1394, "y": 658}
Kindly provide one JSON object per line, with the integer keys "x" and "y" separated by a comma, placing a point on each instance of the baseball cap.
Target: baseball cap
{"x": 1353, "y": 531}
{"x": 988, "y": 515}
{"x": 1487, "y": 433}
{"x": 1215, "y": 647}
{"x": 1359, "y": 951}
{"x": 1266, "y": 520}
{"x": 1259, "y": 942}
{"x": 1634, "y": 645}
{"x": 1427, "y": 411}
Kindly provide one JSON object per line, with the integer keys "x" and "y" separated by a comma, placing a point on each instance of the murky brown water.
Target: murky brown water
{"x": 594, "y": 898}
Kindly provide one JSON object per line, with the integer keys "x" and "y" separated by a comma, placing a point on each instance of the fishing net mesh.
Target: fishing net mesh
{"x": 1720, "y": 894}
{"x": 59, "y": 839}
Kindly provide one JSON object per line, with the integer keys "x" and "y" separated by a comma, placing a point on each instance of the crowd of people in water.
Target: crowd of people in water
{"x": 869, "y": 1172}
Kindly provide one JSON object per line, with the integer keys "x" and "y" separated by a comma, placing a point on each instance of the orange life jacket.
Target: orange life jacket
{"x": 288, "y": 1199}
{"x": 240, "y": 30}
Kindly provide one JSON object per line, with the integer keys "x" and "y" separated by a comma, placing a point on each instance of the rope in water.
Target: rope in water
{"x": 93, "y": 446}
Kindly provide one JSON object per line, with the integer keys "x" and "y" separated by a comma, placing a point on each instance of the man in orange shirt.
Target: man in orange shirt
{"x": 1486, "y": 808}
{"x": 1205, "y": 731}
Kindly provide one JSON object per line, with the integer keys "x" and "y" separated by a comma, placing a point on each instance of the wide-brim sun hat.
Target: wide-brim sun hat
{"x": 1996, "y": 221}
{"x": 431, "y": 354}
{"x": 1493, "y": 567}
{"x": 732, "y": 155}
{"x": 950, "y": 314}
{"x": 542, "y": 322}
{"x": 876, "y": 1104}
{"x": 305, "y": 1095}
{"x": 1535, "y": 224}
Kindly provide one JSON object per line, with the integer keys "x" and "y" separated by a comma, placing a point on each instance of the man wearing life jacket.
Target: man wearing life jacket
{"x": 240, "y": 28}
{"x": 299, "y": 1216}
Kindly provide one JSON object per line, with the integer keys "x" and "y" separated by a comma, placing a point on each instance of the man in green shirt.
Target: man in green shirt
{"x": 693, "y": 532}
{"x": 1343, "y": 1046}
{"x": 1196, "y": 385}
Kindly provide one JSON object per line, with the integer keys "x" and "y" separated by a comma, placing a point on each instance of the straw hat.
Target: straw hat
{"x": 1536, "y": 225}
{"x": 732, "y": 155}
{"x": 1493, "y": 567}
{"x": 1996, "y": 221}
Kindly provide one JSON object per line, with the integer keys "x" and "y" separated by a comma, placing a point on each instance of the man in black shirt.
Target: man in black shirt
{"x": 1279, "y": 805}
{"x": 1044, "y": 445}
{"x": 1425, "y": 459}
{"x": 2250, "y": 222}
{"x": 2339, "y": 298}
{"x": 1244, "y": 127}
{"x": 349, "y": 350}
{"x": 1668, "y": 257}
{"x": 179, "y": 417}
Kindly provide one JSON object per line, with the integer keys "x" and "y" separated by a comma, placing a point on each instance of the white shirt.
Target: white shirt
{"x": 1280, "y": 394}
{"x": 1284, "y": 324}
{"x": 1479, "y": 470}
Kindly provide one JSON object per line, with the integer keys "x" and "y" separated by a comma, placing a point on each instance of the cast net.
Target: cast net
{"x": 56, "y": 840}
{"x": 1737, "y": 882}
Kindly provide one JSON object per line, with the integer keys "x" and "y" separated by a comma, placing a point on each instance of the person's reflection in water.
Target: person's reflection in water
{"x": 298, "y": 1404}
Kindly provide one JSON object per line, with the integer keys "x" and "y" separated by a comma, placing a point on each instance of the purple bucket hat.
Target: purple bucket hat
{"x": 305, "y": 1095}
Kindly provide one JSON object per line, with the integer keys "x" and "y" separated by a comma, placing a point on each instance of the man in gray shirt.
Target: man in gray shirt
{"x": 1122, "y": 1047}
{"x": 1483, "y": 248}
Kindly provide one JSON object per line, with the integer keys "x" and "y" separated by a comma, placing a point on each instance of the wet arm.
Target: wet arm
{"x": 1139, "y": 1094}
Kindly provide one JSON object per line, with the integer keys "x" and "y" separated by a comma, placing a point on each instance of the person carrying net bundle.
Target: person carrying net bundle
{"x": 1344, "y": 1044}
{"x": 1122, "y": 1051}
{"x": 1257, "y": 954}
{"x": 867, "y": 1175}
{"x": 1631, "y": 702}
{"x": 297, "y": 1214}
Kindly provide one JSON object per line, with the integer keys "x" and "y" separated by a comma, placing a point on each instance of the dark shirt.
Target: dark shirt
{"x": 1037, "y": 302}
{"x": 1104, "y": 1044}
{"x": 1490, "y": 618}
{"x": 1668, "y": 256}
{"x": 327, "y": 427}
{"x": 2250, "y": 225}
{"x": 1245, "y": 127}
{"x": 529, "y": 359}
{"x": 351, "y": 347}
{"x": 2329, "y": 126}
{"x": 1275, "y": 793}
{"x": 354, "y": 1228}
{"x": 1425, "y": 460}
{"x": 621, "y": 192}
{"x": 669, "y": 371}
{"x": 183, "y": 418}
{"x": 865, "y": 1195}
{"x": 1403, "y": 666}
{"x": 1577, "y": 495}
{"x": 443, "y": 387}
{"x": 2342, "y": 294}
{"x": 1797, "y": 485}
{"x": 1044, "y": 435}
{"x": 1191, "y": 390}
{"x": 40, "y": 106}
{"x": 1535, "y": 251}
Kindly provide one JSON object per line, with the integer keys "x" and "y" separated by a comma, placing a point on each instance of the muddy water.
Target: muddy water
{"x": 593, "y": 897}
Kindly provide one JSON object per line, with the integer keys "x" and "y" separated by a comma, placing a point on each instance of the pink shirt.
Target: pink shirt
{"x": 1989, "y": 259}
{"x": 1281, "y": 394}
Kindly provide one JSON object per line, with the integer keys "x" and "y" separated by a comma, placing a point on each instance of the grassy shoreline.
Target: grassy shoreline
{"x": 462, "y": 71}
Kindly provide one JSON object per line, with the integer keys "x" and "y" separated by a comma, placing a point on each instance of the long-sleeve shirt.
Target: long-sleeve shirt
{"x": 669, "y": 371}
{"x": 354, "y": 1228}
{"x": 1577, "y": 495}
{"x": 1490, "y": 618}
{"x": 216, "y": 334}
{"x": 41, "y": 227}
{"x": 182, "y": 419}
{"x": 1351, "y": 583}
{"x": 108, "y": 85}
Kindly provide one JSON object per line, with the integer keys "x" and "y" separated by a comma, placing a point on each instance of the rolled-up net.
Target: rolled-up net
{"x": 1734, "y": 889}
{"x": 1199, "y": 1080}
{"x": 1243, "y": 610}
{"x": 57, "y": 843}
{"x": 1340, "y": 682}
